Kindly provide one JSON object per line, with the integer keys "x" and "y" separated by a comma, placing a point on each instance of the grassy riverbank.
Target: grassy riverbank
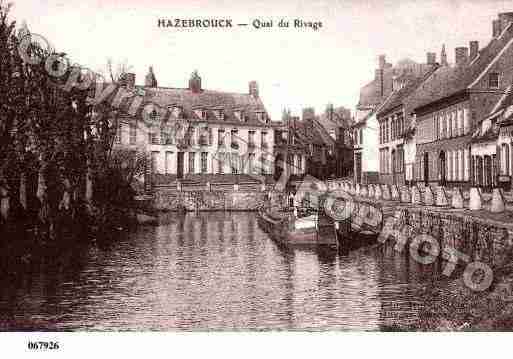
{"x": 451, "y": 306}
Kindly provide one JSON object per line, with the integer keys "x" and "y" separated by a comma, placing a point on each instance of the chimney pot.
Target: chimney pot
{"x": 195, "y": 82}
{"x": 474, "y": 49}
{"x": 505, "y": 19}
{"x": 461, "y": 56}
{"x": 253, "y": 89}
{"x": 431, "y": 58}
{"x": 382, "y": 61}
{"x": 496, "y": 28}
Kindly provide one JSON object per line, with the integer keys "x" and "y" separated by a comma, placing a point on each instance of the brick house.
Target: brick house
{"x": 365, "y": 130}
{"x": 491, "y": 146}
{"x": 196, "y": 132}
{"x": 454, "y": 99}
{"x": 305, "y": 146}
{"x": 336, "y": 122}
{"x": 396, "y": 128}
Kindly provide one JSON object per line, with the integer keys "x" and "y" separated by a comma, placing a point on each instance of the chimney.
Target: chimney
{"x": 443, "y": 57}
{"x": 496, "y": 28}
{"x": 505, "y": 19}
{"x": 474, "y": 49}
{"x": 253, "y": 89}
{"x": 195, "y": 82}
{"x": 461, "y": 56}
{"x": 308, "y": 113}
{"x": 378, "y": 76}
{"x": 431, "y": 58}
{"x": 382, "y": 61}
{"x": 150, "y": 80}
{"x": 127, "y": 80}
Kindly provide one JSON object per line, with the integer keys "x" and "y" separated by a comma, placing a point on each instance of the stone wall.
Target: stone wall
{"x": 171, "y": 200}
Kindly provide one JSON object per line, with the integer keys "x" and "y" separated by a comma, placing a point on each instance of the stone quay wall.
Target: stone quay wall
{"x": 171, "y": 199}
{"x": 473, "y": 223}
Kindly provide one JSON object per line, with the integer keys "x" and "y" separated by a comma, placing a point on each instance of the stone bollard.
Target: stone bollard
{"x": 357, "y": 189}
{"x": 395, "y": 193}
{"x": 429, "y": 198}
{"x": 262, "y": 188}
{"x": 498, "y": 204}
{"x": 476, "y": 201}
{"x": 236, "y": 187}
{"x": 378, "y": 194}
{"x": 415, "y": 195}
{"x": 441, "y": 197}
{"x": 371, "y": 193}
{"x": 405, "y": 195}
{"x": 457, "y": 198}
{"x": 386, "y": 193}
{"x": 208, "y": 187}
{"x": 178, "y": 186}
{"x": 363, "y": 191}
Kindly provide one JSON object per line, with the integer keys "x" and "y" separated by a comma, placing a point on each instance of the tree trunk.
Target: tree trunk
{"x": 23, "y": 190}
{"x": 89, "y": 184}
{"x": 4, "y": 204}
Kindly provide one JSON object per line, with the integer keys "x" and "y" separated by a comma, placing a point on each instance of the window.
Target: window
{"x": 133, "y": 134}
{"x": 220, "y": 163}
{"x": 251, "y": 163}
{"x": 235, "y": 143}
{"x": 204, "y": 162}
{"x": 153, "y": 138}
{"x": 169, "y": 162}
{"x": 299, "y": 164}
{"x": 220, "y": 137}
{"x": 191, "y": 162}
{"x": 204, "y": 137}
{"x": 505, "y": 159}
{"x": 251, "y": 139}
{"x": 234, "y": 163}
{"x": 493, "y": 80}
{"x": 264, "y": 139}
{"x": 117, "y": 139}
{"x": 361, "y": 136}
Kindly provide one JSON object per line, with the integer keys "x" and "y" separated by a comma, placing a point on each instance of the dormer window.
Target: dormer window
{"x": 176, "y": 111}
{"x": 201, "y": 113}
{"x": 239, "y": 115}
{"x": 493, "y": 80}
{"x": 261, "y": 116}
{"x": 219, "y": 114}
{"x": 154, "y": 116}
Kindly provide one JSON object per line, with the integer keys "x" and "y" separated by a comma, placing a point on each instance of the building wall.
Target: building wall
{"x": 370, "y": 145}
{"x": 165, "y": 156}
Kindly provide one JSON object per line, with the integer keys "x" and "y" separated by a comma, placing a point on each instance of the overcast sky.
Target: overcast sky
{"x": 294, "y": 67}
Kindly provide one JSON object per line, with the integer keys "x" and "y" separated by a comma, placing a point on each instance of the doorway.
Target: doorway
{"x": 179, "y": 165}
{"x": 442, "y": 168}
{"x": 426, "y": 167}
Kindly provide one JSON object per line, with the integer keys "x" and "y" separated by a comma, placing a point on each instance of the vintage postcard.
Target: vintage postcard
{"x": 173, "y": 166}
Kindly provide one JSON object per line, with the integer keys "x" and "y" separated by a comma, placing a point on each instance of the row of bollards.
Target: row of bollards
{"x": 428, "y": 197}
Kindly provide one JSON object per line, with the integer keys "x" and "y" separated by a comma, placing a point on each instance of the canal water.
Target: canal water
{"x": 212, "y": 271}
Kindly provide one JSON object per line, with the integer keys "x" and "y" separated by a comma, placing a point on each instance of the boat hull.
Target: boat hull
{"x": 282, "y": 232}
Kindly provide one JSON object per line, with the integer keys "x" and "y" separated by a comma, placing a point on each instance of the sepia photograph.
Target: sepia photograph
{"x": 287, "y": 169}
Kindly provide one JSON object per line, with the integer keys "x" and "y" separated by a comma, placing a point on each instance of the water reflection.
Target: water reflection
{"x": 211, "y": 271}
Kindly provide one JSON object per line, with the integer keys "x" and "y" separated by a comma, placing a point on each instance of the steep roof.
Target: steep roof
{"x": 398, "y": 97}
{"x": 341, "y": 117}
{"x": 501, "y": 114}
{"x": 207, "y": 100}
{"x": 447, "y": 81}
